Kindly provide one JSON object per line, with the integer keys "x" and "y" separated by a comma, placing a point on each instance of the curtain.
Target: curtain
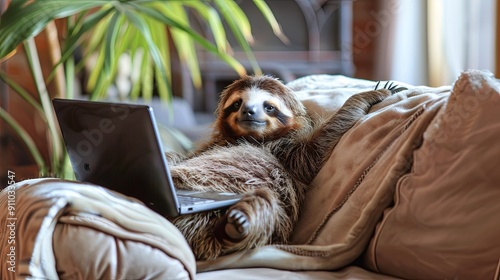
{"x": 497, "y": 45}
{"x": 431, "y": 42}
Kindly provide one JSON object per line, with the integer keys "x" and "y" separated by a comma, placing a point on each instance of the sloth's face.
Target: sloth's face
{"x": 256, "y": 115}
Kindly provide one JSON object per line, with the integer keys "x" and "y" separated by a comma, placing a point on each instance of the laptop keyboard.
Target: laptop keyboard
{"x": 190, "y": 200}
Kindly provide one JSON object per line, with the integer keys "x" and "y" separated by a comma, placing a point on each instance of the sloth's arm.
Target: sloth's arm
{"x": 305, "y": 155}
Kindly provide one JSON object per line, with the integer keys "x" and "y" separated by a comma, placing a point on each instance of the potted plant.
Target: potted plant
{"x": 104, "y": 31}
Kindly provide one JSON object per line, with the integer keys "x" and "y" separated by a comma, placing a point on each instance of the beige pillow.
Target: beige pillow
{"x": 445, "y": 222}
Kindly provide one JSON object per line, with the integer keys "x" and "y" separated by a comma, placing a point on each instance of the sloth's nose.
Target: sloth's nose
{"x": 249, "y": 110}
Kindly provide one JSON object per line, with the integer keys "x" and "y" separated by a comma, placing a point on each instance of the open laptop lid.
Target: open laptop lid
{"x": 117, "y": 146}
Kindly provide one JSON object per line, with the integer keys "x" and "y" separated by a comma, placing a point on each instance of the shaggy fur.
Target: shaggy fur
{"x": 266, "y": 147}
{"x": 271, "y": 198}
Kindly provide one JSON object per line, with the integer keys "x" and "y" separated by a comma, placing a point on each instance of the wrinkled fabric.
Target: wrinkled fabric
{"x": 444, "y": 223}
{"x": 351, "y": 272}
{"x": 78, "y": 231}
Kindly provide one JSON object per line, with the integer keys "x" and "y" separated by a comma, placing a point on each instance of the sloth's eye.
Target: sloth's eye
{"x": 237, "y": 104}
{"x": 269, "y": 108}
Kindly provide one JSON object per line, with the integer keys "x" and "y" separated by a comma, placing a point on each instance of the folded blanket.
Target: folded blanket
{"x": 350, "y": 194}
{"x": 80, "y": 231}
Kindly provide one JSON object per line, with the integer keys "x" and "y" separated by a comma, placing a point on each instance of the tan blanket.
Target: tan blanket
{"x": 69, "y": 230}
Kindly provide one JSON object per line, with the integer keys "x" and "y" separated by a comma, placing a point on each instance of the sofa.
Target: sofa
{"x": 410, "y": 192}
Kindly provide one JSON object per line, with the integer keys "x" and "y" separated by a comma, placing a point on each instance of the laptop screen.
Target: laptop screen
{"x": 117, "y": 146}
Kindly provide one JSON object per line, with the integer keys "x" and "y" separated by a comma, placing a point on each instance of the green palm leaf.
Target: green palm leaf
{"x": 144, "y": 30}
{"x": 24, "y": 19}
{"x": 269, "y": 16}
{"x": 183, "y": 42}
{"x": 22, "y": 92}
{"x": 28, "y": 141}
{"x": 171, "y": 22}
{"x": 36, "y": 70}
{"x": 210, "y": 15}
{"x": 240, "y": 27}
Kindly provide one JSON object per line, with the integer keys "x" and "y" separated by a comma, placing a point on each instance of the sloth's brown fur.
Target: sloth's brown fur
{"x": 270, "y": 164}
{"x": 271, "y": 201}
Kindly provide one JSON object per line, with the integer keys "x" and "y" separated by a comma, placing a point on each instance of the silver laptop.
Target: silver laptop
{"x": 117, "y": 146}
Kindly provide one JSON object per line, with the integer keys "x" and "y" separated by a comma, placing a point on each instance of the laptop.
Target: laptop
{"x": 117, "y": 146}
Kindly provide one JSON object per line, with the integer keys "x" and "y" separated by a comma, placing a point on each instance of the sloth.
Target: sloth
{"x": 265, "y": 146}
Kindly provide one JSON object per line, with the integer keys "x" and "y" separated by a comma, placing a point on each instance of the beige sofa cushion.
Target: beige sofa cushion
{"x": 445, "y": 219}
{"x": 71, "y": 230}
{"x": 83, "y": 251}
